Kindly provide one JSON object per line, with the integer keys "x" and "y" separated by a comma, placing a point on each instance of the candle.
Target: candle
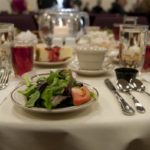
{"x": 61, "y": 30}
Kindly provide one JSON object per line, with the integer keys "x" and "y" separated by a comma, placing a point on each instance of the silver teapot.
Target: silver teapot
{"x": 61, "y": 23}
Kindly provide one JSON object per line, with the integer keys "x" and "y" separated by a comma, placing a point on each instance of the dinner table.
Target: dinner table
{"x": 100, "y": 126}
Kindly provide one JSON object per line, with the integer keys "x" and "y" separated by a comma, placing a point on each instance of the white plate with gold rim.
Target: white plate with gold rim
{"x": 74, "y": 66}
{"x": 20, "y": 100}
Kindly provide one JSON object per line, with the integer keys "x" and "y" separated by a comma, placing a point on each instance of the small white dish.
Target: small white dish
{"x": 74, "y": 66}
{"x": 90, "y": 57}
{"x": 57, "y": 63}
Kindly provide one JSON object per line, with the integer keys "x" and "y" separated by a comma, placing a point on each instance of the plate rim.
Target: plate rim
{"x": 46, "y": 63}
{"x": 87, "y": 72}
{"x": 58, "y": 110}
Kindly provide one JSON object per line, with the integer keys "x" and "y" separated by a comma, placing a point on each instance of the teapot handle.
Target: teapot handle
{"x": 86, "y": 18}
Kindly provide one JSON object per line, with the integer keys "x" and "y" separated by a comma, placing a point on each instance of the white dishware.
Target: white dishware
{"x": 90, "y": 57}
{"x": 74, "y": 66}
{"x": 19, "y": 100}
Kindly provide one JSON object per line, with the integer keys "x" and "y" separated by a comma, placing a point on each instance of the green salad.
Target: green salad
{"x": 56, "y": 90}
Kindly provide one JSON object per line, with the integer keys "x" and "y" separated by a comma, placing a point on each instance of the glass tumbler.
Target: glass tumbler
{"x": 127, "y": 20}
{"x": 133, "y": 45}
{"x": 6, "y": 39}
{"x": 146, "y": 66}
{"x": 22, "y": 57}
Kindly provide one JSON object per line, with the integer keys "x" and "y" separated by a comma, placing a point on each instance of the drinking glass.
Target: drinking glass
{"x": 22, "y": 57}
{"x": 6, "y": 39}
{"x": 126, "y": 20}
{"x": 146, "y": 66}
{"x": 133, "y": 43}
{"x": 116, "y": 31}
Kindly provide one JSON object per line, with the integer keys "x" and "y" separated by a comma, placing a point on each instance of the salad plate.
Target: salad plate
{"x": 20, "y": 100}
{"x": 74, "y": 66}
{"x": 56, "y": 63}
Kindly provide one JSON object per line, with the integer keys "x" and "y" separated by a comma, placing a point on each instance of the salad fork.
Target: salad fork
{"x": 4, "y": 77}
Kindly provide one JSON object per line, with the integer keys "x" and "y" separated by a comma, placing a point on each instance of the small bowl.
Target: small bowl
{"x": 126, "y": 73}
{"x": 90, "y": 57}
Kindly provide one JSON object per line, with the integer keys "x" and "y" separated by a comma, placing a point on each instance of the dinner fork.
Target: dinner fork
{"x": 4, "y": 77}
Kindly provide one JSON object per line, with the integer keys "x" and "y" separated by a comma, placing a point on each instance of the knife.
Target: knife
{"x": 126, "y": 108}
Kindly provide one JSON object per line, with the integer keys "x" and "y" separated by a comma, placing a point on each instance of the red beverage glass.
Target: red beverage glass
{"x": 146, "y": 66}
{"x": 116, "y": 31}
{"x": 22, "y": 59}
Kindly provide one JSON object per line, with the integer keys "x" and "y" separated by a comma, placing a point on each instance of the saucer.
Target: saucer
{"x": 74, "y": 66}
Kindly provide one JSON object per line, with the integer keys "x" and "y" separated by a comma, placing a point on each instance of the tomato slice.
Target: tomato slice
{"x": 80, "y": 95}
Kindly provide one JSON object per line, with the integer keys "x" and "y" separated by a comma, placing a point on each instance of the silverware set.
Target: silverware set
{"x": 126, "y": 108}
{"x": 127, "y": 87}
{"x": 4, "y": 78}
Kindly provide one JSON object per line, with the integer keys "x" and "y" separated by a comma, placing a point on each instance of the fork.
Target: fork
{"x": 4, "y": 77}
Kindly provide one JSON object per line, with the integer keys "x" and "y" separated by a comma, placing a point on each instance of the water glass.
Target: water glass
{"x": 126, "y": 20}
{"x": 6, "y": 39}
{"x": 133, "y": 44}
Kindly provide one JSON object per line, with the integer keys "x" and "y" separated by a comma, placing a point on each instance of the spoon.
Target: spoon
{"x": 137, "y": 85}
{"x": 124, "y": 86}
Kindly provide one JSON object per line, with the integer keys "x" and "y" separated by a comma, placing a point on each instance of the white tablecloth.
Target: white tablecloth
{"x": 102, "y": 126}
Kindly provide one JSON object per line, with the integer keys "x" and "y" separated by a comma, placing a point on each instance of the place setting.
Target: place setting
{"x": 47, "y": 91}
{"x": 34, "y": 96}
{"x": 129, "y": 72}
{"x": 56, "y": 90}
{"x": 51, "y": 91}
